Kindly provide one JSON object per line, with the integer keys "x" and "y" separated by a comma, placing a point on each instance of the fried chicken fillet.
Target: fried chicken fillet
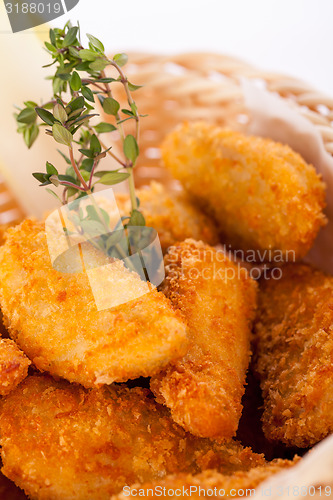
{"x": 262, "y": 194}
{"x": 217, "y": 300}
{"x": 61, "y": 441}
{"x": 14, "y": 366}
{"x": 294, "y": 355}
{"x": 53, "y": 317}
{"x": 174, "y": 216}
{"x": 209, "y": 483}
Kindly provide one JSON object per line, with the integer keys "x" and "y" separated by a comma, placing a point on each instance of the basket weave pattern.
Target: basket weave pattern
{"x": 204, "y": 86}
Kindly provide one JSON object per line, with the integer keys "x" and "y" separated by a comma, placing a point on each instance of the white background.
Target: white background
{"x": 292, "y": 36}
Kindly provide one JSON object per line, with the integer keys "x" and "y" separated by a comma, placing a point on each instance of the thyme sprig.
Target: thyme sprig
{"x": 79, "y": 82}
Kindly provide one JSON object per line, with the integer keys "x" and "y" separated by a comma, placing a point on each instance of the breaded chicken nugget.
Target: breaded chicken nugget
{"x": 217, "y": 299}
{"x": 174, "y": 216}
{"x": 209, "y": 483}
{"x": 13, "y": 366}
{"x": 61, "y": 441}
{"x": 294, "y": 355}
{"x": 262, "y": 194}
{"x": 53, "y": 318}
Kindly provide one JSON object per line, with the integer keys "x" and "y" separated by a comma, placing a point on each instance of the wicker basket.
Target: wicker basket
{"x": 201, "y": 86}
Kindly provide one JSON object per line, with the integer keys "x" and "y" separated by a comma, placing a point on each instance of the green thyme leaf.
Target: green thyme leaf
{"x": 96, "y": 43}
{"x": 100, "y": 173}
{"x": 99, "y": 64}
{"x": 59, "y": 113}
{"x": 42, "y": 178}
{"x": 64, "y": 76}
{"x": 87, "y": 164}
{"x": 104, "y": 127}
{"x": 52, "y": 37}
{"x": 127, "y": 112}
{"x": 45, "y": 115}
{"x": 137, "y": 219}
{"x": 106, "y": 80}
{"x": 120, "y": 59}
{"x": 131, "y": 148}
{"x": 62, "y": 135}
{"x": 88, "y": 55}
{"x": 85, "y": 174}
{"x": 27, "y": 115}
{"x": 111, "y": 106}
{"x": 70, "y": 36}
{"x": 74, "y": 52}
{"x": 86, "y": 92}
{"x": 75, "y": 104}
{"x": 95, "y": 145}
{"x": 30, "y": 134}
{"x": 75, "y": 81}
{"x": 50, "y": 169}
{"x": 87, "y": 152}
{"x": 71, "y": 192}
{"x": 30, "y": 104}
{"x": 133, "y": 87}
{"x": 113, "y": 178}
{"x": 50, "y": 48}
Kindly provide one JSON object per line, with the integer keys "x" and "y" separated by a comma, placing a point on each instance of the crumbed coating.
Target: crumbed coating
{"x": 61, "y": 441}
{"x": 294, "y": 355}
{"x": 217, "y": 299}
{"x": 53, "y": 318}
{"x": 262, "y": 194}
{"x": 174, "y": 216}
{"x": 209, "y": 483}
{"x": 14, "y": 366}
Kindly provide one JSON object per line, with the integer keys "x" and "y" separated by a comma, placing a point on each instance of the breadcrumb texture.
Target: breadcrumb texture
{"x": 217, "y": 300}
{"x": 53, "y": 318}
{"x": 222, "y": 485}
{"x": 294, "y": 337}
{"x": 14, "y": 366}
{"x": 173, "y": 214}
{"x": 262, "y": 194}
{"x": 61, "y": 441}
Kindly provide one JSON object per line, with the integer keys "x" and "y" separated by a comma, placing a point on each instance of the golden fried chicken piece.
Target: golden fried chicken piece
{"x": 217, "y": 299}
{"x": 13, "y": 366}
{"x": 174, "y": 216}
{"x": 209, "y": 483}
{"x": 262, "y": 194}
{"x": 294, "y": 354}
{"x": 53, "y": 318}
{"x": 61, "y": 441}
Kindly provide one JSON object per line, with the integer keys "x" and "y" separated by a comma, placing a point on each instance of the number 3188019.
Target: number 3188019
{"x": 33, "y": 8}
